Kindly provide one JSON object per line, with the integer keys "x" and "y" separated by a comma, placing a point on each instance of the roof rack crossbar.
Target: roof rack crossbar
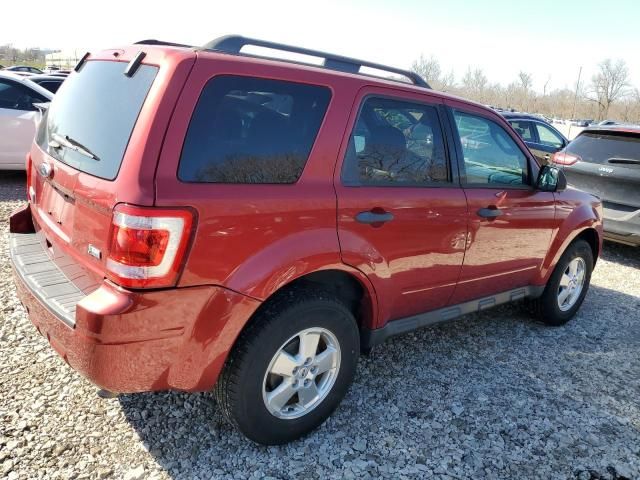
{"x": 234, "y": 43}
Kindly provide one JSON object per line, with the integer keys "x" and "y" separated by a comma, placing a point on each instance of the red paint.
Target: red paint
{"x": 249, "y": 241}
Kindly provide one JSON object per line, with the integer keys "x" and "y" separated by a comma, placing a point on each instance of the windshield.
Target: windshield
{"x": 91, "y": 118}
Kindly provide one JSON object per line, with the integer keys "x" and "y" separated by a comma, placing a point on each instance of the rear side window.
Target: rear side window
{"x": 395, "y": 143}
{"x": 92, "y": 116}
{"x": 51, "y": 86}
{"x": 524, "y": 129}
{"x": 607, "y": 148}
{"x": 491, "y": 156}
{"x": 252, "y": 130}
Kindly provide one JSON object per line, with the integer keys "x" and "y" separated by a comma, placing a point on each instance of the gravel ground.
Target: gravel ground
{"x": 494, "y": 395}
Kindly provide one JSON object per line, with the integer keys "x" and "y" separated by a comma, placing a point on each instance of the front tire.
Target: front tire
{"x": 567, "y": 286}
{"x": 291, "y": 367}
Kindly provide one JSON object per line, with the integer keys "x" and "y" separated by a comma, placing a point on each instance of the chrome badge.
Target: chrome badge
{"x": 94, "y": 252}
{"x": 45, "y": 169}
{"x": 605, "y": 170}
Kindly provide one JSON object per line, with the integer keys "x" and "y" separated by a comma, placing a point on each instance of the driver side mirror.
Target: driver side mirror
{"x": 551, "y": 179}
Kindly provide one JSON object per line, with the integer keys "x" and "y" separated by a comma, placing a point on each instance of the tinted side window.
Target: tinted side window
{"x": 252, "y": 130}
{"x": 51, "y": 86}
{"x": 549, "y": 137}
{"x": 490, "y": 154}
{"x": 524, "y": 129}
{"x": 17, "y": 97}
{"x": 395, "y": 143}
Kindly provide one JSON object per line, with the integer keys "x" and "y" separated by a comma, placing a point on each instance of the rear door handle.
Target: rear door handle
{"x": 490, "y": 212}
{"x": 374, "y": 217}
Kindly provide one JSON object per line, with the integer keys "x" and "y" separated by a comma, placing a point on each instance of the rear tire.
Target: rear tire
{"x": 276, "y": 385}
{"x": 567, "y": 286}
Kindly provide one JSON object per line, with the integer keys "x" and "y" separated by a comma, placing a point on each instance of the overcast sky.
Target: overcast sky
{"x": 547, "y": 38}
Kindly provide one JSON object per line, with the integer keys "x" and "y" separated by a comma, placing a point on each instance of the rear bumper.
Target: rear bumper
{"x": 623, "y": 227}
{"x": 133, "y": 341}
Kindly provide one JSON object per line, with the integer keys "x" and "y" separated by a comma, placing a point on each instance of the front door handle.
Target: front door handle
{"x": 490, "y": 212}
{"x": 372, "y": 217}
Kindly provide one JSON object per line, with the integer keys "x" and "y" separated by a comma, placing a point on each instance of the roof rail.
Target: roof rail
{"x": 152, "y": 41}
{"x": 234, "y": 43}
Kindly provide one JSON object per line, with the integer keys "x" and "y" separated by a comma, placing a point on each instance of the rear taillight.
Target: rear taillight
{"x": 147, "y": 246}
{"x": 564, "y": 158}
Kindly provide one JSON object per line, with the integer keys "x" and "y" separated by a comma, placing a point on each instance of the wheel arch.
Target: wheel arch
{"x": 589, "y": 233}
{"x": 351, "y": 286}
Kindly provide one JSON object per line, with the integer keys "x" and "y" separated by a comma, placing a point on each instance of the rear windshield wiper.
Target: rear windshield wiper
{"x": 68, "y": 142}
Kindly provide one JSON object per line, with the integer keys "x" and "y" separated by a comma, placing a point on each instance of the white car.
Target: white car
{"x": 18, "y": 118}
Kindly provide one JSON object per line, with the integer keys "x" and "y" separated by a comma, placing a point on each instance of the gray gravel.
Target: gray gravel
{"x": 494, "y": 395}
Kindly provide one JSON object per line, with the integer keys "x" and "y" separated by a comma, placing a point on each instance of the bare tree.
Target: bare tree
{"x": 578, "y": 101}
{"x": 526, "y": 80}
{"x": 429, "y": 69}
{"x": 474, "y": 83}
{"x": 609, "y": 84}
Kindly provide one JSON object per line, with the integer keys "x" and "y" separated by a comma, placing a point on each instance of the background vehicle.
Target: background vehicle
{"x": 23, "y": 69}
{"x": 542, "y": 139}
{"x": 606, "y": 162}
{"x": 369, "y": 207}
{"x": 50, "y": 82}
{"x": 18, "y": 118}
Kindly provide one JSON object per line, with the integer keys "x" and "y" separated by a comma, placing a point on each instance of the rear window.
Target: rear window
{"x": 95, "y": 110}
{"x": 607, "y": 147}
{"x": 252, "y": 130}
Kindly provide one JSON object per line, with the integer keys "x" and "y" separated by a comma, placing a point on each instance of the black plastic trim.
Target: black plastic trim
{"x": 81, "y": 62}
{"x": 134, "y": 64}
{"x": 372, "y": 337}
{"x": 153, "y": 41}
{"x": 233, "y": 44}
{"x": 43, "y": 277}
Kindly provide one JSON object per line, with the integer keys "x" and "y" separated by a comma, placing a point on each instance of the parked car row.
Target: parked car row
{"x": 540, "y": 136}
{"x": 19, "y": 115}
{"x": 603, "y": 159}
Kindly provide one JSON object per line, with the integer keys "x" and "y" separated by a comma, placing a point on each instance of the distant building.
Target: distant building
{"x": 65, "y": 58}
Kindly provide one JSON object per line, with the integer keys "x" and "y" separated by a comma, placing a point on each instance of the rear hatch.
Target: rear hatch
{"x": 607, "y": 164}
{"x": 97, "y": 146}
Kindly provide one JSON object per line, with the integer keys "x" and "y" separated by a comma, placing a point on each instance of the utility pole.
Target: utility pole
{"x": 575, "y": 101}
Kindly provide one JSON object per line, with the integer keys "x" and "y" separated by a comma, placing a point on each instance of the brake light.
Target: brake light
{"x": 564, "y": 158}
{"x": 147, "y": 246}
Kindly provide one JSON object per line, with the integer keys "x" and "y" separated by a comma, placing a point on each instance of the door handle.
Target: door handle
{"x": 490, "y": 212}
{"x": 372, "y": 217}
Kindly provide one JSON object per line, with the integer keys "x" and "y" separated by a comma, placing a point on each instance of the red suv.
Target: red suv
{"x": 204, "y": 218}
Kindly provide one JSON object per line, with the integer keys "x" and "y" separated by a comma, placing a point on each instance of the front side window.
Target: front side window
{"x": 252, "y": 130}
{"x": 396, "y": 143}
{"x": 491, "y": 156}
{"x": 548, "y": 137}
